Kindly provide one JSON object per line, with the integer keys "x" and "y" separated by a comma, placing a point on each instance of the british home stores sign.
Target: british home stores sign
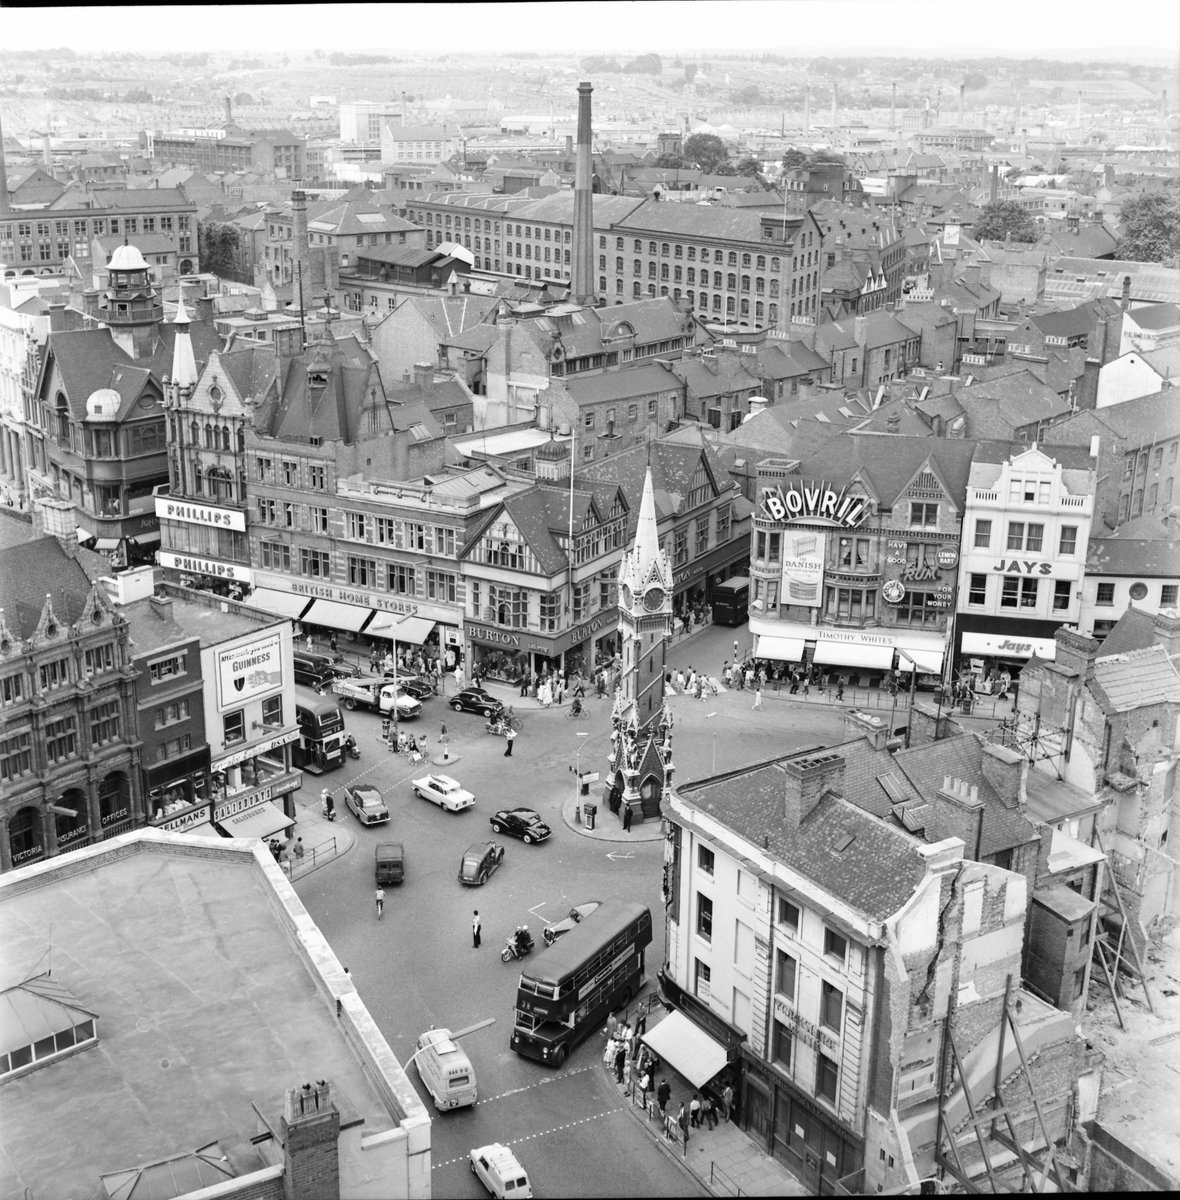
{"x": 815, "y": 504}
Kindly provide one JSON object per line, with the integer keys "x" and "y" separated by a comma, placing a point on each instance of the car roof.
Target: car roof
{"x": 444, "y": 780}
{"x": 478, "y": 848}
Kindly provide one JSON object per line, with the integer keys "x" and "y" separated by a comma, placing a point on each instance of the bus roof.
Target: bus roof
{"x": 732, "y": 585}
{"x": 309, "y": 699}
{"x": 594, "y": 932}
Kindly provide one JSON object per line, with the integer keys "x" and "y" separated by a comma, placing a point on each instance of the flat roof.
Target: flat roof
{"x": 213, "y": 991}
{"x": 213, "y": 625}
{"x": 511, "y": 442}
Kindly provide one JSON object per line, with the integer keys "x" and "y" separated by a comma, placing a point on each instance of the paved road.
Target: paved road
{"x": 417, "y": 967}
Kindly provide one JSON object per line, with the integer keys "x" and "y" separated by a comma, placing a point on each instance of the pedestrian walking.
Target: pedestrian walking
{"x": 612, "y": 1023}
{"x": 310, "y": 643}
{"x": 644, "y": 1086}
{"x": 509, "y": 738}
{"x": 694, "y": 1112}
{"x": 709, "y": 1111}
{"x": 757, "y": 698}
{"x": 682, "y": 1121}
{"x": 840, "y": 689}
{"x": 524, "y": 685}
{"x": 332, "y": 641}
{"x": 807, "y": 686}
{"x": 727, "y": 1102}
{"x": 663, "y": 1095}
{"x": 626, "y": 818}
{"x": 475, "y": 928}
{"x": 620, "y": 1063}
{"x": 298, "y": 849}
{"x": 641, "y": 1024}
{"x": 373, "y": 661}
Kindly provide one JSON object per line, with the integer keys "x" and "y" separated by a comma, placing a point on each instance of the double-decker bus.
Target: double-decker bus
{"x": 321, "y": 732}
{"x": 571, "y": 986}
{"x": 731, "y": 601}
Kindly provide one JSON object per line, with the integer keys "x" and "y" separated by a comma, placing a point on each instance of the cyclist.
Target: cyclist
{"x": 510, "y": 717}
{"x": 576, "y": 707}
{"x": 380, "y": 897}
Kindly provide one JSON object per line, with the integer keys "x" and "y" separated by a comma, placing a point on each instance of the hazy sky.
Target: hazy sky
{"x": 1020, "y": 27}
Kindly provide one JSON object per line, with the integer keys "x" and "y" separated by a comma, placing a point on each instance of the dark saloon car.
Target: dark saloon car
{"x": 476, "y": 700}
{"x": 479, "y": 861}
{"x": 524, "y": 823}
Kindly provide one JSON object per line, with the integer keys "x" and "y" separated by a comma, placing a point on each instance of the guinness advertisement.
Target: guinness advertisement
{"x": 250, "y": 670}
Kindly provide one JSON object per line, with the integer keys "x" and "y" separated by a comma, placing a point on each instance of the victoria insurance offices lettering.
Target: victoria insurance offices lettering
{"x": 817, "y": 503}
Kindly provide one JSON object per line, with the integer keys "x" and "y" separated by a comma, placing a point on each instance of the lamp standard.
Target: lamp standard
{"x": 578, "y": 778}
{"x": 709, "y": 717}
{"x": 454, "y": 1037}
{"x": 913, "y": 684}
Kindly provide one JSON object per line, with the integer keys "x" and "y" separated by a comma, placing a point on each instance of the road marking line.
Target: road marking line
{"x": 539, "y": 1083}
{"x": 529, "y": 1137}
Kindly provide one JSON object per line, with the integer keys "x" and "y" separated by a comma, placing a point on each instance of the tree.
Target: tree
{"x": 974, "y": 81}
{"x": 670, "y": 162}
{"x": 707, "y": 150}
{"x": 793, "y": 158}
{"x": 645, "y": 64}
{"x": 751, "y": 167}
{"x": 218, "y": 242}
{"x": 1150, "y": 228}
{"x": 1002, "y": 218}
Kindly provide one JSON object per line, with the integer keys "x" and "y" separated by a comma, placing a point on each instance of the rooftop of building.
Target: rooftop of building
{"x": 211, "y": 989}
{"x": 1134, "y": 630}
{"x": 1135, "y": 679}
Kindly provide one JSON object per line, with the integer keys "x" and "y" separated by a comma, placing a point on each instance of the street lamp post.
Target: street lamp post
{"x": 454, "y": 1037}
{"x": 578, "y": 778}
{"x": 709, "y": 717}
{"x": 913, "y": 684}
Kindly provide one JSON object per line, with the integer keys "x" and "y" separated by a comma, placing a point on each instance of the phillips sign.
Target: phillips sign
{"x": 815, "y": 503}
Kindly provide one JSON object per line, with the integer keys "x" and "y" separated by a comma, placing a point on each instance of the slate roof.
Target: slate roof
{"x": 1077, "y": 321}
{"x": 1134, "y": 630}
{"x": 253, "y": 370}
{"x": 876, "y": 873}
{"x": 450, "y": 315}
{"x": 1088, "y": 241}
{"x": 702, "y": 381}
{"x": 1125, "y": 682}
{"x": 31, "y": 569}
{"x": 997, "y": 408}
{"x": 353, "y": 218}
{"x": 659, "y": 218}
{"x": 961, "y": 757}
{"x": 607, "y": 210}
{"x": 539, "y": 513}
{"x": 888, "y": 474}
{"x": 620, "y": 385}
{"x": 789, "y": 360}
{"x": 1145, "y": 420}
{"x": 1085, "y": 277}
{"x": 1156, "y": 553}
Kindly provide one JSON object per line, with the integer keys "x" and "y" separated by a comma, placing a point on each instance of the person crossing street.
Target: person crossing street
{"x": 380, "y": 898}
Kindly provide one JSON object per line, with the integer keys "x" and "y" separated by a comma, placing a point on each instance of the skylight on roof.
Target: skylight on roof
{"x": 370, "y": 218}
{"x": 894, "y": 788}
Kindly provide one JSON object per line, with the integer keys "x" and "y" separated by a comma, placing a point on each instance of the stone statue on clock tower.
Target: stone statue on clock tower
{"x": 641, "y": 737}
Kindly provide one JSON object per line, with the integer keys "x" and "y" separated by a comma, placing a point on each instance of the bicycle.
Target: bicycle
{"x": 380, "y": 897}
{"x": 577, "y": 714}
{"x": 511, "y": 719}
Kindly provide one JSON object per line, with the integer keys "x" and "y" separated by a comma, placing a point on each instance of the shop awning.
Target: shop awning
{"x": 106, "y": 544}
{"x": 1011, "y": 645}
{"x": 205, "y": 829}
{"x": 349, "y": 617}
{"x": 282, "y": 604}
{"x": 412, "y": 630}
{"x": 929, "y": 662}
{"x": 146, "y": 539}
{"x": 687, "y": 1048}
{"x": 781, "y": 649}
{"x": 260, "y": 821}
{"x": 852, "y": 654}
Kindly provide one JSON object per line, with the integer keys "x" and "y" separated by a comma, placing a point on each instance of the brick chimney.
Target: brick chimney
{"x": 860, "y": 724}
{"x": 1006, "y": 771}
{"x": 1075, "y": 653}
{"x": 310, "y": 1126}
{"x": 301, "y": 276}
{"x": 930, "y": 725}
{"x": 958, "y": 813}
{"x": 55, "y": 518}
{"x": 971, "y": 276}
{"x": 424, "y": 376}
{"x": 1125, "y": 302}
{"x": 582, "y": 274}
{"x": 806, "y": 781}
{"x": 860, "y": 330}
{"x": 1167, "y": 631}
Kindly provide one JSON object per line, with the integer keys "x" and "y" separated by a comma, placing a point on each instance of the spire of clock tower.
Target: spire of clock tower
{"x": 645, "y": 563}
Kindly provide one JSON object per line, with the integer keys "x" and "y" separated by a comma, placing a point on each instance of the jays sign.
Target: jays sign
{"x": 814, "y": 503}
{"x": 250, "y": 670}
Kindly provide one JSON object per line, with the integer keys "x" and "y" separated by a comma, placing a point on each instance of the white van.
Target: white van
{"x": 445, "y": 1069}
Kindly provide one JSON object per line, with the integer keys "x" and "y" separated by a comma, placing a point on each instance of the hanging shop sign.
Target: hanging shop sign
{"x": 196, "y": 565}
{"x": 816, "y": 503}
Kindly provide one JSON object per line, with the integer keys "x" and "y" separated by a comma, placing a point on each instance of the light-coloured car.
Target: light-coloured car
{"x": 498, "y": 1169}
{"x": 443, "y": 791}
{"x": 365, "y": 803}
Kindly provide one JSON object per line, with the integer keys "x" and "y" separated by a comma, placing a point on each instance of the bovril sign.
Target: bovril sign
{"x": 815, "y": 503}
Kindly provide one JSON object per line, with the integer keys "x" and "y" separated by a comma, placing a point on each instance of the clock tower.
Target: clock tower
{"x": 641, "y": 737}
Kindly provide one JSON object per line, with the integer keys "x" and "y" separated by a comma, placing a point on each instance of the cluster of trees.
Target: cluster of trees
{"x": 601, "y": 64}
{"x": 218, "y": 242}
{"x": 74, "y": 93}
{"x": 1151, "y": 228}
{"x": 796, "y": 158}
{"x": 710, "y": 154}
{"x": 338, "y": 59}
{"x": 1003, "y": 218}
{"x": 138, "y": 96}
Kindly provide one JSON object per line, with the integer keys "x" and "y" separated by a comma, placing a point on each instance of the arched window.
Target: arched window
{"x": 746, "y": 260}
{"x": 241, "y": 441}
{"x": 716, "y": 303}
{"x": 731, "y": 281}
{"x": 717, "y": 279}
{"x": 677, "y": 273}
{"x": 733, "y": 258}
{"x": 759, "y": 311}
{"x": 198, "y": 480}
{"x": 730, "y": 305}
{"x": 744, "y": 308}
{"x": 773, "y": 314}
{"x": 194, "y": 433}
{"x": 745, "y": 282}
{"x": 209, "y": 444}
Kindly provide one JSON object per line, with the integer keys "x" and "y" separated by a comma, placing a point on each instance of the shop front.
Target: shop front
{"x": 866, "y": 653}
{"x": 208, "y": 574}
{"x": 993, "y": 650}
{"x": 251, "y": 778}
{"x": 692, "y": 585}
{"x": 127, "y": 541}
{"x": 510, "y": 654}
{"x": 178, "y": 788}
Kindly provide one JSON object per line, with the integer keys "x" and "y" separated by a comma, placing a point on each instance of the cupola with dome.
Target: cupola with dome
{"x": 131, "y": 307}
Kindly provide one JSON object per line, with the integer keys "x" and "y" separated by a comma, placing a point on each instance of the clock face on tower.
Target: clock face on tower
{"x": 626, "y": 596}
{"x": 653, "y": 599}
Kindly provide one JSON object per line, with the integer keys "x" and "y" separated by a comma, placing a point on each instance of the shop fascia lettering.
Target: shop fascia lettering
{"x": 240, "y": 756}
{"x": 804, "y": 1029}
{"x": 325, "y": 591}
{"x": 206, "y": 566}
{"x": 199, "y": 514}
{"x": 1020, "y": 566}
{"x": 814, "y": 503}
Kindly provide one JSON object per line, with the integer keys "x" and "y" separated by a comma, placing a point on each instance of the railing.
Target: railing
{"x": 718, "y": 1178}
{"x": 313, "y": 856}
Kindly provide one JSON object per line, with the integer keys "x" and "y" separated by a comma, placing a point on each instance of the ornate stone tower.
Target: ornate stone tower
{"x": 641, "y": 737}
{"x": 131, "y": 307}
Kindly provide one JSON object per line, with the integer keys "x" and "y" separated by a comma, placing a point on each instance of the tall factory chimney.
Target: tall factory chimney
{"x": 4, "y": 202}
{"x": 962, "y": 102}
{"x": 582, "y": 276}
{"x": 1079, "y": 110}
{"x": 995, "y": 192}
{"x": 893, "y": 105}
{"x": 833, "y": 106}
{"x": 301, "y": 280}
{"x": 1016, "y": 117}
{"x": 807, "y": 110}
{"x": 229, "y": 110}
{"x": 47, "y": 154}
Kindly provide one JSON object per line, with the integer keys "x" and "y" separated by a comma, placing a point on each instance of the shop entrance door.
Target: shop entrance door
{"x": 758, "y": 1116}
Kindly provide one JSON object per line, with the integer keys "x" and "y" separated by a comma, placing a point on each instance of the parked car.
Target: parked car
{"x": 416, "y": 685}
{"x": 365, "y": 803}
{"x": 498, "y": 1169}
{"x": 389, "y": 863}
{"x": 443, "y": 791}
{"x": 524, "y": 823}
{"x": 476, "y": 700}
{"x": 552, "y": 932}
{"x": 479, "y": 861}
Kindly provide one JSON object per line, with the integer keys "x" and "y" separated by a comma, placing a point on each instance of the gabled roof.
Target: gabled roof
{"x": 29, "y": 570}
{"x": 888, "y": 474}
{"x": 1156, "y": 316}
{"x": 703, "y": 381}
{"x": 1077, "y": 321}
{"x": 1134, "y": 630}
{"x": 620, "y": 385}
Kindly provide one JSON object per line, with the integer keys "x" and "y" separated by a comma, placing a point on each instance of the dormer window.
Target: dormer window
{"x": 317, "y": 378}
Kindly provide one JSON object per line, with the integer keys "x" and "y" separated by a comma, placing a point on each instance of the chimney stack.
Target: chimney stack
{"x": 995, "y": 192}
{"x": 1167, "y": 630}
{"x": 310, "y": 1128}
{"x": 301, "y": 278}
{"x": 807, "y": 110}
{"x": 805, "y": 782}
{"x": 833, "y": 108}
{"x": 1126, "y": 299}
{"x": 962, "y": 102}
{"x": 424, "y": 376}
{"x": 582, "y": 275}
{"x": 958, "y": 813}
{"x": 1006, "y": 771}
{"x": 47, "y": 154}
{"x": 56, "y": 519}
{"x": 893, "y": 105}
{"x": 229, "y": 110}
{"x": 859, "y": 724}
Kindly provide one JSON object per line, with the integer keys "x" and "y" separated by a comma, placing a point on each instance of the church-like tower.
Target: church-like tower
{"x": 641, "y": 737}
